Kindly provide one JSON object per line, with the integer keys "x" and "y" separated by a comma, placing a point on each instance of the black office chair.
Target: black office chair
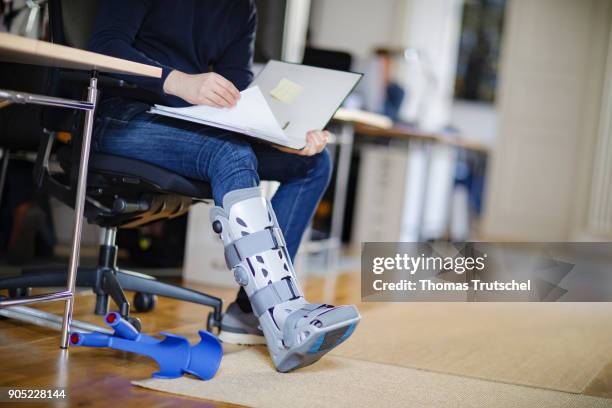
{"x": 121, "y": 193}
{"x": 20, "y": 135}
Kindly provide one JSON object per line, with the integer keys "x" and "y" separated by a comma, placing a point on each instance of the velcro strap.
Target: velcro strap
{"x": 271, "y": 295}
{"x": 293, "y": 318}
{"x": 252, "y": 244}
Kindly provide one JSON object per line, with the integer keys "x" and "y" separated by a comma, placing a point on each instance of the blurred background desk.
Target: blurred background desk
{"x": 428, "y": 185}
{"x": 405, "y": 132}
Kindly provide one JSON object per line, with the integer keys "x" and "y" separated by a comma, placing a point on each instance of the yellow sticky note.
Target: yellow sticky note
{"x": 286, "y": 91}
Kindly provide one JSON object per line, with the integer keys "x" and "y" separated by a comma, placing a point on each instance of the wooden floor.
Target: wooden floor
{"x": 31, "y": 358}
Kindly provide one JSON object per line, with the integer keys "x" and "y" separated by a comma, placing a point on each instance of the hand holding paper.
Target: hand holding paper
{"x": 284, "y": 104}
{"x": 251, "y": 116}
{"x": 316, "y": 140}
{"x": 202, "y": 89}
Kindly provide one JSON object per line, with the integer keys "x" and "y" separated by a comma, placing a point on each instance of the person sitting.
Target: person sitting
{"x": 205, "y": 51}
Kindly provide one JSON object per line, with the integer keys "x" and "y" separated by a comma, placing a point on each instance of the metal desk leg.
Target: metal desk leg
{"x": 422, "y": 205}
{"x": 345, "y": 149}
{"x": 92, "y": 96}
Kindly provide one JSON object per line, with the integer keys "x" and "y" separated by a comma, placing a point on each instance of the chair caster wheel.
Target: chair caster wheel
{"x": 134, "y": 321}
{"x": 16, "y": 293}
{"x": 144, "y": 302}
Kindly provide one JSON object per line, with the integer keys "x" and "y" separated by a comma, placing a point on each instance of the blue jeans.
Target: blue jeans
{"x": 226, "y": 160}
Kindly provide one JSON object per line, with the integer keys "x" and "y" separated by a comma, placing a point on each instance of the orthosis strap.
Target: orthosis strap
{"x": 271, "y": 295}
{"x": 293, "y": 318}
{"x": 253, "y": 244}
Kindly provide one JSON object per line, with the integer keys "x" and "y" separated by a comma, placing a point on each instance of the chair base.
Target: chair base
{"x": 109, "y": 282}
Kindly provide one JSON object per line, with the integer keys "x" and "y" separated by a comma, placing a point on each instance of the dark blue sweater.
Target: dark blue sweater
{"x": 192, "y": 36}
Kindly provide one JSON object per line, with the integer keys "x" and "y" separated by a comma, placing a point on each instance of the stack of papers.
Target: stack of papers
{"x": 282, "y": 104}
{"x": 251, "y": 116}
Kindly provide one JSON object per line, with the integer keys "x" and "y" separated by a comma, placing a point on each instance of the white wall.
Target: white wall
{"x": 476, "y": 121}
{"x": 431, "y": 26}
{"x": 596, "y": 222}
{"x": 355, "y": 26}
{"x": 552, "y": 69}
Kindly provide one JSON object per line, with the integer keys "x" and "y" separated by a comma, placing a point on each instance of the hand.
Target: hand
{"x": 202, "y": 89}
{"x": 315, "y": 143}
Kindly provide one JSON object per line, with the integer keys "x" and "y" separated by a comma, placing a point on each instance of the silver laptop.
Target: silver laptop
{"x": 282, "y": 104}
{"x": 322, "y": 91}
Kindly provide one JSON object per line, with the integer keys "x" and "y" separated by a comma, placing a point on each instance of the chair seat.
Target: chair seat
{"x": 134, "y": 170}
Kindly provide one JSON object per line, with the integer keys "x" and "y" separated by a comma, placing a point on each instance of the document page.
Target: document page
{"x": 251, "y": 114}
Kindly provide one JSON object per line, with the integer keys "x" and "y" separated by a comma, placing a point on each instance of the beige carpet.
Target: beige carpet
{"x": 560, "y": 346}
{"x": 247, "y": 378}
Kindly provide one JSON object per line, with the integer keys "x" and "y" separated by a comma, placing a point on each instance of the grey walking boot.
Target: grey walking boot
{"x": 297, "y": 332}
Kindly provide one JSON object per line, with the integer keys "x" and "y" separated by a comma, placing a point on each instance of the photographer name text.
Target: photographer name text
{"x": 429, "y": 285}
{"x": 457, "y": 264}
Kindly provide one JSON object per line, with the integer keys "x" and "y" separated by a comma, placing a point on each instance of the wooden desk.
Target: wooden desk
{"x": 407, "y": 133}
{"x": 354, "y": 121}
{"x": 27, "y": 51}
{"x": 375, "y": 125}
{"x": 358, "y": 116}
